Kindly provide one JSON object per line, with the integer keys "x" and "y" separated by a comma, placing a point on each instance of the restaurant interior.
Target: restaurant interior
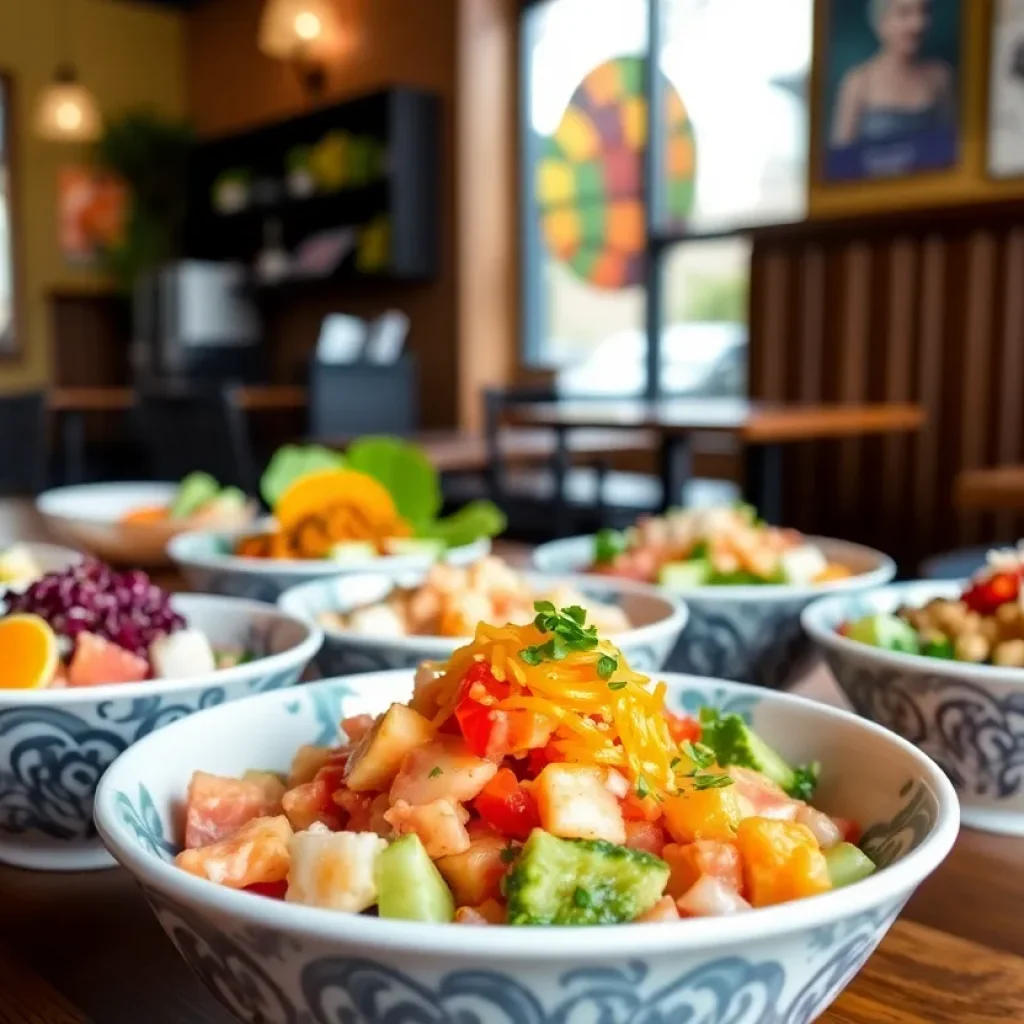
{"x": 574, "y": 282}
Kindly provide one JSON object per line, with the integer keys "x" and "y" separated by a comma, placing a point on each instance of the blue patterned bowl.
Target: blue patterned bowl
{"x": 204, "y": 558}
{"x": 658, "y": 620}
{"x": 969, "y": 718}
{"x": 748, "y": 633}
{"x": 55, "y": 744}
{"x": 282, "y": 963}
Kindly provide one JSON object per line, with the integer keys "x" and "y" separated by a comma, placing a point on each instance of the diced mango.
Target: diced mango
{"x": 307, "y": 762}
{"x": 695, "y": 814}
{"x": 705, "y": 857}
{"x": 781, "y": 861}
{"x": 379, "y": 754}
{"x": 256, "y": 853}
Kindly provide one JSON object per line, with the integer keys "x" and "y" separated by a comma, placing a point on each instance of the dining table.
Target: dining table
{"x": 763, "y": 430}
{"x": 84, "y": 948}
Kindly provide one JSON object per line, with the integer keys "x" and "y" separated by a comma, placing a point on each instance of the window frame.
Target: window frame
{"x": 658, "y": 240}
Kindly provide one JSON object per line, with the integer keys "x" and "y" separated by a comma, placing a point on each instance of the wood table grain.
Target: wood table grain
{"x": 84, "y": 947}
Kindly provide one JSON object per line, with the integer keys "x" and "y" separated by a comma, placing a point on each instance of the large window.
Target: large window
{"x": 621, "y": 246}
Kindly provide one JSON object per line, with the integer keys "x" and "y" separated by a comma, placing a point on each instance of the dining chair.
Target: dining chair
{"x": 23, "y": 459}
{"x": 196, "y": 427}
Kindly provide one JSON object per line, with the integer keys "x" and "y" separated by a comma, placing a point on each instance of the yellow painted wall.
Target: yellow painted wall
{"x": 129, "y": 56}
{"x": 965, "y": 183}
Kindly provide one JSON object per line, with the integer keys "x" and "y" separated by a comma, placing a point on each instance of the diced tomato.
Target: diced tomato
{"x": 848, "y": 829}
{"x": 507, "y": 807}
{"x": 635, "y": 808}
{"x": 690, "y": 861}
{"x": 985, "y": 597}
{"x": 683, "y": 728}
{"x": 272, "y": 890}
{"x": 539, "y": 758}
{"x": 490, "y": 732}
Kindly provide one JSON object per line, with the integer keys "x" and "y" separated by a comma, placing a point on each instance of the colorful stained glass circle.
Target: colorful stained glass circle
{"x": 589, "y": 182}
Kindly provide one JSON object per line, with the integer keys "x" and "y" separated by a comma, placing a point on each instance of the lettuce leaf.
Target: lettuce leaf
{"x": 405, "y": 471}
{"x": 471, "y": 522}
{"x": 292, "y": 462}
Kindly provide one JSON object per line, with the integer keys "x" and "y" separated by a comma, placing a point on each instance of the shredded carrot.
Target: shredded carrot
{"x": 621, "y": 725}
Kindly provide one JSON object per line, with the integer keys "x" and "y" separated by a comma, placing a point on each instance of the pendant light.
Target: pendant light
{"x": 66, "y": 111}
{"x": 303, "y": 32}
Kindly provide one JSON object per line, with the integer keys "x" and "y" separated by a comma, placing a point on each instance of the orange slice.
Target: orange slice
{"x": 315, "y": 492}
{"x": 28, "y": 653}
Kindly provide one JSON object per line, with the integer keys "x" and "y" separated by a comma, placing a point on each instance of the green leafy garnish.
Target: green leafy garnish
{"x": 701, "y": 755}
{"x": 708, "y": 780}
{"x": 509, "y": 854}
{"x": 617, "y": 684}
{"x": 608, "y": 544}
{"x": 435, "y": 772}
{"x": 406, "y": 472}
{"x": 582, "y": 898}
{"x": 471, "y": 522}
{"x": 606, "y": 666}
{"x": 292, "y": 462}
{"x": 806, "y": 781}
{"x": 643, "y": 790}
{"x": 568, "y": 633}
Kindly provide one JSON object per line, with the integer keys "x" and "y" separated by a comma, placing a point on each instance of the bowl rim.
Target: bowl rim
{"x": 45, "y": 498}
{"x": 177, "y": 550}
{"x": 303, "y": 651}
{"x": 893, "y": 883}
{"x": 818, "y": 615}
{"x": 883, "y": 571}
{"x": 674, "y": 611}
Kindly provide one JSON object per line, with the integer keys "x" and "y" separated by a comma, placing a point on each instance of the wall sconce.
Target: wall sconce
{"x": 302, "y": 32}
{"x": 66, "y": 111}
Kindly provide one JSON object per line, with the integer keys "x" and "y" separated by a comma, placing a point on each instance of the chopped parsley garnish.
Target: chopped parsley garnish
{"x": 568, "y": 633}
{"x": 606, "y": 666}
{"x": 509, "y": 854}
{"x": 617, "y": 684}
{"x": 643, "y": 790}
{"x": 434, "y": 772}
{"x": 805, "y": 781}
{"x": 698, "y": 753}
{"x": 608, "y": 544}
{"x": 708, "y": 780}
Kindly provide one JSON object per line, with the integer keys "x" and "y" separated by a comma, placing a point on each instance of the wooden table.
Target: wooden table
{"x": 85, "y": 949}
{"x": 72, "y": 405}
{"x": 762, "y": 428}
{"x": 992, "y": 490}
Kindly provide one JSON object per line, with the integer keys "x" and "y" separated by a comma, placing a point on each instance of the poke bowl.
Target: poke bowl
{"x": 373, "y": 622}
{"x": 744, "y": 623}
{"x": 131, "y": 523}
{"x": 545, "y": 897}
{"x": 84, "y": 679}
{"x": 939, "y": 663}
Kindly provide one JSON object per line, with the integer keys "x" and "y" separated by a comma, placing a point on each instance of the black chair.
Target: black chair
{"x": 23, "y": 456}
{"x": 195, "y": 427}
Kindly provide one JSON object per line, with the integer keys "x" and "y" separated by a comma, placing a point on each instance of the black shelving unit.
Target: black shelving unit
{"x": 402, "y": 190}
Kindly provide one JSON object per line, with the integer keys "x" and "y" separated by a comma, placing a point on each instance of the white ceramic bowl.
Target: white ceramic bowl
{"x": 55, "y": 744}
{"x": 204, "y": 558}
{"x": 746, "y": 633}
{"x": 278, "y": 963}
{"x": 657, "y": 621}
{"x": 89, "y": 516}
{"x": 969, "y": 718}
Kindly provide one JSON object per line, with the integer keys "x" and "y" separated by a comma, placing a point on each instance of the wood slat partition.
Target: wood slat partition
{"x": 921, "y": 307}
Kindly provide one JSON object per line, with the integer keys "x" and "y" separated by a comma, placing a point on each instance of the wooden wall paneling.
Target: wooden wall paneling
{"x": 775, "y": 311}
{"x": 804, "y": 459}
{"x": 1011, "y": 369}
{"x": 978, "y": 407}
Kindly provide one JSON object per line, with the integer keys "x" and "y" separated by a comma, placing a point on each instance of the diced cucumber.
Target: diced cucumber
{"x": 352, "y": 551}
{"x": 847, "y": 864}
{"x": 682, "y": 575}
{"x": 409, "y": 886}
{"x": 889, "y": 632}
{"x": 581, "y": 881}
{"x": 425, "y": 546}
{"x": 193, "y": 492}
{"x": 937, "y": 645}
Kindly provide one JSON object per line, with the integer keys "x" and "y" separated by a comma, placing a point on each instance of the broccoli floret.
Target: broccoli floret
{"x": 735, "y": 743}
{"x": 581, "y": 882}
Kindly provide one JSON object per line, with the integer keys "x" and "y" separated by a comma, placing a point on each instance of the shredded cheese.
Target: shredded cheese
{"x": 621, "y": 725}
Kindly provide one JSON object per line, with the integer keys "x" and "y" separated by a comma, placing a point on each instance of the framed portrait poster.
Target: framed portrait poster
{"x": 891, "y": 78}
{"x": 1006, "y": 91}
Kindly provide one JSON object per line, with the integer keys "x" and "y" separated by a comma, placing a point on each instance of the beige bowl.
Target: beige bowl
{"x": 89, "y": 516}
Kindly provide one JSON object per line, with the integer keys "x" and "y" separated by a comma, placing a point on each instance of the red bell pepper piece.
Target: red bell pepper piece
{"x": 507, "y": 807}
{"x": 272, "y": 890}
{"x": 683, "y": 728}
{"x": 985, "y": 597}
